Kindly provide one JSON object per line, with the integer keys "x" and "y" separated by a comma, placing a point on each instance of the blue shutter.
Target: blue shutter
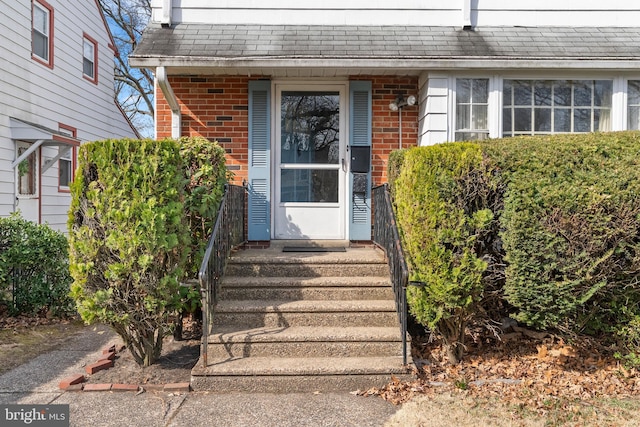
{"x": 259, "y": 221}
{"x": 360, "y": 135}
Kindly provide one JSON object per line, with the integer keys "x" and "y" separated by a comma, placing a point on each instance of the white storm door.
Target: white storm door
{"x": 310, "y": 177}
{"x": 27, "y": 185}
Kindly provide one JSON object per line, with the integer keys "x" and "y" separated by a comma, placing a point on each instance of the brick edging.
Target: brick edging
{"x": 106, "y": 361}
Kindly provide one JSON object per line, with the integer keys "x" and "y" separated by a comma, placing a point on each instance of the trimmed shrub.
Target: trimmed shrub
{"x": 549, "y": 225}
{"x": 206, "y": 175}
{"x": 571, "y": 228}
{"x": 129, "y": 242}
{"x": 34, "y": 268}
{"x": 443, "y": 203}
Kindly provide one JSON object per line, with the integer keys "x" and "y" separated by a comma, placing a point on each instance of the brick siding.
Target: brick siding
{"x": 217, "y": 108}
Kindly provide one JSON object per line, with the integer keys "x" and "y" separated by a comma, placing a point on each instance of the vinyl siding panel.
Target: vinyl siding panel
{"x": 434, "y": 117}
{"x": 404, "y": 12}
{"x": 49, "y": 97}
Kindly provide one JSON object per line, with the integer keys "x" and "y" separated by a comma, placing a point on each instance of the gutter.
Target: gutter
{"x": 417, "y": 63}
{"x": 176, "y": 118}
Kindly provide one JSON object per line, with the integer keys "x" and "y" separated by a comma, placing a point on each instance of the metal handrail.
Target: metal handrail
{"x": 386, "y": 236}
{"x": 228, "y": 232}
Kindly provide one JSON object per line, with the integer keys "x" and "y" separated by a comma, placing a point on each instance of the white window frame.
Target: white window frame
{"x": 93, "y": 59}
{"x": 44, "y": 7}
{"x": 472, "y": 104}
{"x": 65, "y": 162}
{"x": 627, "y": 105}
{"x": 494, "y": 102}
{"x": 570, "y": 108}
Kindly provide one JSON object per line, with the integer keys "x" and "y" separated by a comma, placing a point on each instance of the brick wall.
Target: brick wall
{"x": 217, "y": 108}
{"x": 385, "y": 123}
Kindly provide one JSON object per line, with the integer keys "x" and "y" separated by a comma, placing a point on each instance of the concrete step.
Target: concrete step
{"x": 271, "y": 263}
{"x": 295, "y": 282}
{"x": 257, "y": 314}
{"x": 304, "y": 270}
{"x": 289, "y": 375}
{"x": 306, "y": 342}
{"x": 309, "y": 288}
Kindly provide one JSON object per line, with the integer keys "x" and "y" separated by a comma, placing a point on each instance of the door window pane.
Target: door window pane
{"x": 310, "y": 131}
{"x": 27, "y": 174}
{"x": 309, "y": 186}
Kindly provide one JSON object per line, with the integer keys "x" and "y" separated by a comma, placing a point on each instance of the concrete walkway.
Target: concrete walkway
{"x": 37, "y": 382}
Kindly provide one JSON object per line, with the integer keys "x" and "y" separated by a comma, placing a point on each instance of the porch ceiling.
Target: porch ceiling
{"x": 329, "y": 51}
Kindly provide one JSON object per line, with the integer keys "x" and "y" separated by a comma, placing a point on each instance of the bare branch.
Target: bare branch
{"x": 133, "y": 87}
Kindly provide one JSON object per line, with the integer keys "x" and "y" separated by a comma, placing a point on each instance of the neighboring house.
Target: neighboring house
{"x": 305, "y": 96}
{"x": 56, "y": 91}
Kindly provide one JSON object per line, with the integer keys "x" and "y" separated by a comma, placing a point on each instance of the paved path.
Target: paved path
{"x": 37, "y": 382}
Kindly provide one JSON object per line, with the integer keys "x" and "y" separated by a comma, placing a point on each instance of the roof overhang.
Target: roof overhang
{"x": 343, "y": 50}
{"x": 40, "y": 136}
{"x": 313, "y": 67}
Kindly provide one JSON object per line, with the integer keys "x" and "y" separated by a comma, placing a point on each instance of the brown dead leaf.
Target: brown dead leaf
{"x": 542, "y": 352}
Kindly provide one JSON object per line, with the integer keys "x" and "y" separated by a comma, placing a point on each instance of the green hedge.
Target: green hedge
{"x": 34, "y": 268}
{"x": 551, "y": 224}
{"x": 206, "y": 175}
{"x": 571, "y": 228}
{"x": 129, "y": 241}
{"x": 440, "y": 221}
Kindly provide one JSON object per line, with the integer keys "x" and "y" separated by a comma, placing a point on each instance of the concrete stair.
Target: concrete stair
{"x": 303, "y": 322}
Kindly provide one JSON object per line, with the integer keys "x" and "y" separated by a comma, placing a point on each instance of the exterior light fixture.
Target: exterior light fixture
{"x": 401, "y": 102}
{"x": 398, "y": 105}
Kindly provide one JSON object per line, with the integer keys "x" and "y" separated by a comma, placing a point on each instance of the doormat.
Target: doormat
{"x": 312, "y": 249}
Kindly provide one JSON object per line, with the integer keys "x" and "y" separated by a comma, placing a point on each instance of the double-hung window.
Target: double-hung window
{"x": 65, "y": 167}
{"x": 532, "y": 107}
{"x": 42, "y": 32}
{"x": 472, "y": 107}
{"x": 633, "y": 105}
{"x": 89, "y": 59}
{"x": 66, "y": 160}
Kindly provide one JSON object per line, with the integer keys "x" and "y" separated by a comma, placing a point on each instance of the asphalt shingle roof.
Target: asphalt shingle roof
{"x": 407, "y": 42}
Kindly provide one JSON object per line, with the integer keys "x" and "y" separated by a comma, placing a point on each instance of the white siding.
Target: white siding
{"x": 406, "y": 12}
{"x": 326, "y": 12}
{"x": 48, "y": 97}
{"x": 561, "y": 13}
{"x": 434, "y": 118}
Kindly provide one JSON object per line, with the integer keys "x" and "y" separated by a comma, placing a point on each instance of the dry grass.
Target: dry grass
{"x": 457, "y": 409}
{"x": 22, "y": 342}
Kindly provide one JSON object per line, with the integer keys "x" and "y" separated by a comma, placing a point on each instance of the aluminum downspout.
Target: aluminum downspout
{"x": 466, "y": 15}
{"x": 176, "y": 118}
{"x": 165, "y": 15}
